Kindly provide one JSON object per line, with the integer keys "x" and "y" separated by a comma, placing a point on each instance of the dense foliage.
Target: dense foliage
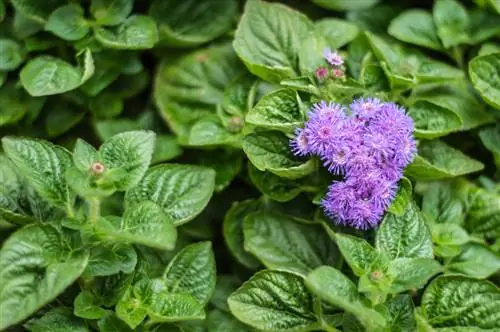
{"x": 151, "y": 178}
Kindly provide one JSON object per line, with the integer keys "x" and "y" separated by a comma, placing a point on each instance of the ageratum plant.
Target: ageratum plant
{"x": 249, "y": 165}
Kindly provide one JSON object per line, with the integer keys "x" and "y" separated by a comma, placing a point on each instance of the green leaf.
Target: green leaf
{"x": 401, "y": 318}
{"x": 233, "y": 232}
{"x": 209, "y": 131}
{"x": 452, "y": 22}
{"x": 357, "y": 252}
{"x": 405, "y": 236}
{"x": 403, "y": 197}
{"x": 61, "y": 119}
{"x": 330, "y": 285}
{"x": 337, "y": 32}
{"x": 46, "y": 75}
{"x": 14, "y": 104}
{"x": 84, "y": 155}
{"x": 192, "y": 271}
{"x": 37, "y": 263}
{"x": 270, "y": 151}
{"x": 111, "y": 323}
{"x": 411, "y": 273}
{"x": 176, "y": 307}
{"x": 111, "y": 12}
{"x": 277, "y": 188}
{"x": 166, "y": 148}
{"x": 138, "y": 32}
{"x": 57, "y": 320}
{"x": 86, "y": 306}
{"x": 106, "y": 260}
{"x": 220, "y": 321}
{"x": 482, "y": 70}
{"x": 483, "y": 217}
{"x": 225, "y": 285}
{"x": 132, "y": 307}
{"x": 476, "y": 261}
{"x": 490, "y": 137}
{"x": 129, "y": 151}
{"x": 432, "y": 121}
{"x": 461, "y": 301}
{"x": 268, "y": 39}
{"x": 345, "y": 5}
{"x": 35, "y": 10}
{"x": 281, "y": 243}
{"x": 105, "y": 129}
{"x": 437, "y": 160}
{"x": 183, "y": 191}
{"x": 192, "y": 23}
{"x": 441, "y": 202}
{"x": 416, "y": 26}
{"x": 278, "y": 110}
{"x": 11, "y": 54}
{"x": 68, "y": 22}
{"x": 274, "y": 301}
{"x": 146, "y": 223}
{"x": 43, "y": 165}
{"x": 106, "y": 105}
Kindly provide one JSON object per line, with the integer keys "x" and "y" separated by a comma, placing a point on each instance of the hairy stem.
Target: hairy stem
{"x": 94, "y": 209}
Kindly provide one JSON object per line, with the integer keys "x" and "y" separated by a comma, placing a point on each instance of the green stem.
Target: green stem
{"x": 94, "y": 209}
{"x": 69, "y": 210}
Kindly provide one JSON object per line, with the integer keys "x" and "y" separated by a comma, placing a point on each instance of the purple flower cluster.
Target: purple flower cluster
{"x": 335, "y": 61}
{"x": 369, "y": 144}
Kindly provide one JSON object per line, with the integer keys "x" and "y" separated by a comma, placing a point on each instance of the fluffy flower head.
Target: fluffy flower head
{"x": 333, "y": 58}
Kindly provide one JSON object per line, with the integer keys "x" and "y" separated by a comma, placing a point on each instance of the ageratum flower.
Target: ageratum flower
{"x": 333, "y": 58}
{"x": 370, "y": 143}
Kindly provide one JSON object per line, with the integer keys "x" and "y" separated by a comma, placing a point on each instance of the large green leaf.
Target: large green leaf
{"x": 277, "y": 188}
{"x": 268, "y": 39}
{"x": 192, "y": 271}
{"x": 145, "y": 223}
{"x": 437, "y": 160}
{"x": 401, "y": 317}
{"x": 482, "y": 70}
{"x": 220, "y": 321}
{"x": 182, "y": 191}
{"x": 476, "y": 260}
{"x": 37, "y": 263}
{"x": 57, "y": 320}
{"x": 357, "y": 252}
{"x": 44, "y": 166}
{"x": 432, "y": 121}
{"x": 138, "y": 32}
{"x": 461, "y": 301}
{"x": 110, "y": 259}
{"x": 483, "y": 217}
{"x": 405, "y": 236}
{"x": 233, "y": 231}
{"x": 411, "y": 273}
{"x": 111, "y": 12}
{"x": 270, "y": 151}
{"x": 68, "y": 22}
{"x": 441, "y": 202}
{"x": 490, "y": 137}
{"x": 345, "y": 5}
{"x": 274, "y": 301}
{"x": 191, "y": 23}
{"x": 452, "y": 22}
{"x": 11, "y": 54}
{"x": 129, "y": 151}
{"x": 416, "y": 26}
{"x": 330, "y": 285}
{"x": 86, "y": 306}
{"x": 336, "y": 31}
{"x": 35, "y": 10}
{"x": 281, "y": 243}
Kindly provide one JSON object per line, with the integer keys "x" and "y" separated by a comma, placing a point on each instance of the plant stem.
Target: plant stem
{"x": 69, "y": 210}
{"x": 94, "y": 209}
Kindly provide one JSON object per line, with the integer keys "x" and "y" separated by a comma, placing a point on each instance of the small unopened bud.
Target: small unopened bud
{"x": 377, "y": 275}
{"x": 235, "y": 124}
{"x": 202, "y": 58}
{"x": 97, "y": 168}
{"x": 338, "y": 73}
{"x": 321, "y": 73}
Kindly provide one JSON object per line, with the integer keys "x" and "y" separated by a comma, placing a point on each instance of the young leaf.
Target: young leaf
{"x": 281, "y": 243}
{"x": 86, "y": 307}
{"x": 191, "y": 23}
{"x": 46, "y": 75}
{"x": 441, "y": 202}
{"x": 403, "y": 197}
{"x": 405, "y": 236}
{"x": 432, "y": 121}
{"x": 476, "y": 260}
{"x": 233, "y": 232}
{"x": 129, "y": 151}
{"x": 270, "y": 151}
{"x": 337, "y": 32}
{"x": 278, "y": 110}
{"x": 106, "y": 260}
{"x": 145, "y": 224}
{"x": 68, "y": 22}
{"x": 11, "y": 54}
{"x": 138, "y": 32}
{"x": 36, "y": 265}
{"x": 111, "y": 12}
{"x": 275, "y": 301}
{"x": 411, "y": 273}
{"x": 268, "y": 39}
{"x": 416, "y": 26}
{"x": 482, "y": 70}
{"x": 209, "y": 131}
{"x": 330, "y": 285}
{"x": 192, "y": 271}
{"x": 57, "y": 320}
{"x": 461, "y": 301}
{"x": 401, "y": 317}
{"x": 44, "y": 166}
{"x": 358, "y": 253}
{"x": 437, "y": 160}
{"x": 452, "y": 22}
{"x": 84, "y": 155}
{"x": 183, "y": 191}
{"x": 175, "y": 307}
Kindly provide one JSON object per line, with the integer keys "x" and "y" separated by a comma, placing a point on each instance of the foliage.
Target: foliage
{"x": 147, "y": 182}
